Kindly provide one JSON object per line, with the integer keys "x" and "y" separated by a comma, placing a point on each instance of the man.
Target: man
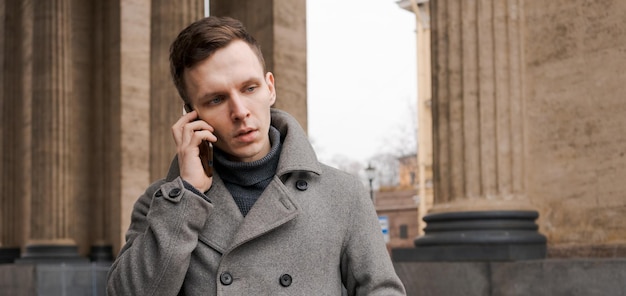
{"x": 270, "y": 220}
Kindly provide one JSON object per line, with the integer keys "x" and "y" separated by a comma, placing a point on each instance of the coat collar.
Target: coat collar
{"x": 226, "y": 228}
{"x": 297, "y": 153}
{"x": 275, "y": 207}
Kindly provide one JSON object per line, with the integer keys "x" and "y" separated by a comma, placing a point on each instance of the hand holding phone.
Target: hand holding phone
{"x": 206, "y": 149}
{"x": 194, "y": 150}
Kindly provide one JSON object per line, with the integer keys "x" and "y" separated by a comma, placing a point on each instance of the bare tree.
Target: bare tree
{"x": 387, "y": 169}
{"x": 401, "y": 141}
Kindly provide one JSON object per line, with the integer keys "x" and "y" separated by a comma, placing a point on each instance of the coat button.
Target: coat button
{"x": 285, "y": 280}
{"x": 174, "y": 193}
{"x": 159, "y": 193}
{"x": 302, "y": 185}
{"x": 226, "y": 278}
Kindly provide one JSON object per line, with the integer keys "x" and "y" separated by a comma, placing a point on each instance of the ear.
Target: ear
{"x": 269, "y": 79}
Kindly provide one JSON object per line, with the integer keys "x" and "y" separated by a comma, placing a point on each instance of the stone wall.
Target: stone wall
{"x": 522, "y": 278}
{"x": 528, "y": 115}
{"x": 575, "y": 117}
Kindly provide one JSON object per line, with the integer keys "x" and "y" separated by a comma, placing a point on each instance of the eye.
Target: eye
{"x": 250, "y": 89}
{"x": 216, "y": 100}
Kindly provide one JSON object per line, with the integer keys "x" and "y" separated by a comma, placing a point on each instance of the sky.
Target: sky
{"x": 362, "y": 80}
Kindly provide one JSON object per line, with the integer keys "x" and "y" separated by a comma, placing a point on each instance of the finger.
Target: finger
{"x": 188, "y": 132}
{"x": 202, "y": 135}
{"x": 198, "y": 125}
{"x": 177, "y": 128}
{"x": 190, "y": 128}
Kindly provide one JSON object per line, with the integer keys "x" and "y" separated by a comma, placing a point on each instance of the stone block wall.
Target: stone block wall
{"x": 575, "y": 116}
{"x": 53, "y": 279}
{"x": 517, "y": 278}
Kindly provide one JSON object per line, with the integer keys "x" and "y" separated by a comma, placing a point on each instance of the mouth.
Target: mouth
{"x": 246, "y": 135}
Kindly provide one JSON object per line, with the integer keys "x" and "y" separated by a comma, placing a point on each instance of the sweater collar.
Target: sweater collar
{"x": 249, "y": 173}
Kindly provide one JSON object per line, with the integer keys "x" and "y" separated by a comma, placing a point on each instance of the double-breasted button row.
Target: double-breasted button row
{"x": 226, "y": 279}
{"x": 302, "y": 185}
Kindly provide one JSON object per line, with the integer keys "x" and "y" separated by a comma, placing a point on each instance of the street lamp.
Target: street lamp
{"x": 370, "y": 172}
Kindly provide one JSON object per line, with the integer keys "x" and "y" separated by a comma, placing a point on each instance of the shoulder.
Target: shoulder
{"x": 341, "y": 182}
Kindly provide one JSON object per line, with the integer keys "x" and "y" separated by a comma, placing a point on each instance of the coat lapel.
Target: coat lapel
{"x": 224, "y": 220}
{"x": 274, "y": 208}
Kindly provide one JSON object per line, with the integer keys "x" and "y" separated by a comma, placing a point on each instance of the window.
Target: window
{"x": 404, "y": 231}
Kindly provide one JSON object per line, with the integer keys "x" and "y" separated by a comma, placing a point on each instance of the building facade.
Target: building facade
{"x": 87, "y": 104}
{"x": 399, "y": 205}
{"x": 526, "y": 108}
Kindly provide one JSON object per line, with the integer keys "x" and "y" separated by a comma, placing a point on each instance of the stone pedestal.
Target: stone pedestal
{"x": 51, "y": 251}
{"x": 101, "y": 253}
{"x": 482, "y": 235}
{"x": 8, "y": 255}
{"x": 548, "y": 277}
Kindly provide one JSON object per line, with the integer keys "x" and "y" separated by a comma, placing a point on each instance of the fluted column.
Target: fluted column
{"x": 168, "y": 19}
{"x": 53, "y": 195}
{"x": 16, "y": 97}
{"x": 478, "y": 105}
{"x": 480, "y": 208}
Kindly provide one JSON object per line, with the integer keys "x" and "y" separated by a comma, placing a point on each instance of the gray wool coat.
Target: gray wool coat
{"x": 313, "y": 229}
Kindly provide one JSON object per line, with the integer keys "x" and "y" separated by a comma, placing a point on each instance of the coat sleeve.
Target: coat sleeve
{"x": 366, "y": 266}
{"x": 162, "y": 235}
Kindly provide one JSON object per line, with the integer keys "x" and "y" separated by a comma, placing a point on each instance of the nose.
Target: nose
{"x": 238, "y": 108}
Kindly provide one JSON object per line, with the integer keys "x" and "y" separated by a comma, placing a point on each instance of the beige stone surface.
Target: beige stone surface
{"x": 529, "y": 114}
{"x": 52, "y": 128}
{"x": 134, "y": 105}
{"x": 477, "y": 99}
{"x": 169, "y": 18}
{"x": 575, "y": 117}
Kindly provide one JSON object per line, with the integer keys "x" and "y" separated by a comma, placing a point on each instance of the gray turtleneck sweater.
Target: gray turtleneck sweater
{"x": 247, "y": 180}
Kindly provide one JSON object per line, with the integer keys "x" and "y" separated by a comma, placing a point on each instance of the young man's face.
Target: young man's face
{"x": 233, "y": 95}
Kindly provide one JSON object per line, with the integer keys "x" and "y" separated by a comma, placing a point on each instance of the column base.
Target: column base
{"x": 101, "y": 253}
{"x": 477, "y": 236}
{"x": 8, "y": 255}
{"x": 51, "y": 253}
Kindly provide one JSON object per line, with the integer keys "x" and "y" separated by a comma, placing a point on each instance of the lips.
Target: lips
{"x": 246, "y": 135}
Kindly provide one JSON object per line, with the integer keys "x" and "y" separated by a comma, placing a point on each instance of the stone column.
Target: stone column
{"x": 15, "y": 126}
{"x": 53, "y": 195}
{"x": 280, "y": 27}
{"x": 480, "y": 209}
{"x": 166, "y": 106}
{"x": 128, "y": 66}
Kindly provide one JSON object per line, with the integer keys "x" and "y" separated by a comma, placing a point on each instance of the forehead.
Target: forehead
{"x": 231, "y": 64}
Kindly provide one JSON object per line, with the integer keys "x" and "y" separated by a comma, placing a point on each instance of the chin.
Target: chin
{"x": 247, "y": 154}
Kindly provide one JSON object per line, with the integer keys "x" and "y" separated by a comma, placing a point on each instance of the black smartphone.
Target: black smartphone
{"x": 206, "y": 150}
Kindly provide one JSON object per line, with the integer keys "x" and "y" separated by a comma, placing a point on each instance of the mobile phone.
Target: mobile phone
{"x": 206, "y": 149}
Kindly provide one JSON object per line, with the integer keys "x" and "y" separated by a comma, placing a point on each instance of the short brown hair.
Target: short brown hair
{"x": 200, "y": 40}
